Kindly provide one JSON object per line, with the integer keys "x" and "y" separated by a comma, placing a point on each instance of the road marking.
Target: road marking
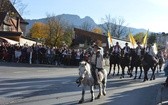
{"x": 20, "y": 72}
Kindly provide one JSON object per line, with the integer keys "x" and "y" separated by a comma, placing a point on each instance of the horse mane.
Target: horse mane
{"x": 83, "y": 63}
{"x": 86, "y": 65}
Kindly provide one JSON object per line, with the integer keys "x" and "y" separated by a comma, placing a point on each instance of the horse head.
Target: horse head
{"x": 84, "y": 70}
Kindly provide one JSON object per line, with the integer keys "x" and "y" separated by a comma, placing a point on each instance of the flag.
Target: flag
{"x": 155, "y": 48}
{"x": 109, "y": 39}
{"x": 132, "y": 40}
{"x": 144, "y": 43}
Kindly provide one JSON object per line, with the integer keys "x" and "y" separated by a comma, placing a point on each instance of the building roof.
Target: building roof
{"x": 92, "y": 35}
{"x": 102, "y": 37}
{"x": 7, "y": 7}
{"x": 10, "y": 33}
{"x": 88, "y": 33}
{"x": 77, "y": 30}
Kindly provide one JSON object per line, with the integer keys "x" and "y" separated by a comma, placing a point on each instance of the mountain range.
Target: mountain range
{"x": 76, "y": 21}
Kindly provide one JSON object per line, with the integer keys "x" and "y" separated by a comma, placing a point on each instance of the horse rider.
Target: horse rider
{"x": 96, "y": 62}
{"x": 93, "y": 62}
{"x": 149, "y": 50}
{"x": 117, "y": 49}
{"x": 138, "y": 49}
{"x": 160, "y": 55}
{"x": 126, "y": 49}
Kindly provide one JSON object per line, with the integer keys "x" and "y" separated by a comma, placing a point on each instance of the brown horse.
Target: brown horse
{"x": 124, "y": 62}
{"x": 135, "y": 63}
{"x": 114, "y": 60}
{"x": 160, "y": 62}
{"x": 148, "y": 63}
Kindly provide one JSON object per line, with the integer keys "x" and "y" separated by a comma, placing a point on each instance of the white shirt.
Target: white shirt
{"x": 102, "y": 51}
{"x": 17, "y": 53}
{"x": 138, "y": 50}
{"x": 126, "y": 49}
{"x": 116, "y": 49}
{"x": 150, "y": 51}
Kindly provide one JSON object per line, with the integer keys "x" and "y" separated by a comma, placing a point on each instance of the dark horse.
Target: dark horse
{"x": 160, "y": 62}
{"x": 124, "y": 62}
{"x": 148, "y": 63}
{"x": 135, "y": 63}
{"x": 115, "y": 60}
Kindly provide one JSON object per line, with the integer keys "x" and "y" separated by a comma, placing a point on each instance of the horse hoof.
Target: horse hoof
{"x": 134, "y": 77}
{"x": 81, "y": 101}
{"x": 91, "y": 100}
{"x": 128, "y": 72}
{"x": 104, "y": 93}
{"x": 131, "y": 75}
{"x": 98, "y": 96}
{"x": 122, "y": 76}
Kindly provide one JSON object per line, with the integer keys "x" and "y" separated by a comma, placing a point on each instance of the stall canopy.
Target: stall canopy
{"x": 6, "y": 40}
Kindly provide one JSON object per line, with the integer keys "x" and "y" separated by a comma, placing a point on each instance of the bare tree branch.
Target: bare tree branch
{"x": 115, "y": 26}
{"x": 19, "y": 6}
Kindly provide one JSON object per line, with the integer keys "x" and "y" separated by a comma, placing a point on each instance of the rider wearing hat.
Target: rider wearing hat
{"x": 126, "y": 49}
{"x": 99, "y": 60}
{"x": 93, "y": 62}
{"x": 138, "y": 49}
{"x": 149, "y": 50}
{"x": 117, "y": 48}
{"x": 96, "y": 62}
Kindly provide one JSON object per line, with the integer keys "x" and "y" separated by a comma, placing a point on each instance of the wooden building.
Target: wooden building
{"x": 86, "y": 38}
{"x": 12, "y": 25}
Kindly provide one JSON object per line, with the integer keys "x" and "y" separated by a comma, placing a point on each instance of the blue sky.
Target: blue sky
{"x": 147, "y": 14}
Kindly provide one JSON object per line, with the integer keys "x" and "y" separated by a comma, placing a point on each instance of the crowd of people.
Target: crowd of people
{"x": 41, "y": 54}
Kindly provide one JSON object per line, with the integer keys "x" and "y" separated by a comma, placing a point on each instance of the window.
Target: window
{"x": 5, "y": 28}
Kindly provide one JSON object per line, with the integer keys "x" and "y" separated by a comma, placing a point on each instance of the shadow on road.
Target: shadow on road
{"x": 37, "y": 86}
{"x": 31, "y": 87}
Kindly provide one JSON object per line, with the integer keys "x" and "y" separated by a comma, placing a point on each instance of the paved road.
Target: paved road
{"x": 22, "y": 84}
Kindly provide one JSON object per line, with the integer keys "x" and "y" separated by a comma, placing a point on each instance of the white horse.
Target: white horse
{"x": 85, "y": 79}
